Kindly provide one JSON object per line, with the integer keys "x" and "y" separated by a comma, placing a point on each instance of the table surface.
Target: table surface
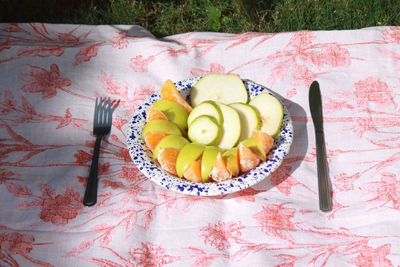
{"x": 50, "y": 77}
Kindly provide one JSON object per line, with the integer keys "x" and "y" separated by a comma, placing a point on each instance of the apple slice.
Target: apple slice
{"x": 224, "y": 88}
{"x": 188, "y": 153}
{"x": 232, "y": 161}
{"x": 207, "y": 161}
{"x": 204, "y": 130}
{"x": 271, "y": 112}
{"x": 208, "y": 107}
{"x": 255, "y": 147}
{"x": 161, "y": 126}
{"x": 170, "y": 141}
{"x": 231, "y": 127}
{"x": 249, "y": 119}
{"x": 175, "y": 113}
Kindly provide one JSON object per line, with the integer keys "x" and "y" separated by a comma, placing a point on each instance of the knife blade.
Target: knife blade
{"x": 324, "y": 187}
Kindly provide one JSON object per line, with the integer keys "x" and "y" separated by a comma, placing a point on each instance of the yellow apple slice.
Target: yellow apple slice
{"x": 249, "y": 119}
{"x": 174, "y": 112}
{"x": 207, "y": 161}
{"x": 223, "y": 88}
{"x": 271, "y": 113}
{"x": 231, "y": 127}
{"x": 188, "y": 153}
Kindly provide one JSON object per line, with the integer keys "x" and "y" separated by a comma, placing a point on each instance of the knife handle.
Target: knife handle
{"x": 324, "y": 188}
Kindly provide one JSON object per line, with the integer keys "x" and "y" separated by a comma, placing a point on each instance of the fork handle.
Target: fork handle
{"x": 90, "y": 197}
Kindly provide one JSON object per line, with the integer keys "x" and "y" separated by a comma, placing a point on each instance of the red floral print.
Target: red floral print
{"x": 82, "y": 157}
{"x": 301, "y": 54}
{"x": 85, "y": 54}
{"x": 16, "y": 243}
{"x": 122, "y": 91}
{"x": 220, "y": 234}
{"x": 385, "y": 191}
{"x": 275, "y": 220}
{"x": 120, "y": 40}
{"x": 112, "y": 85}
{"x": 214, "y": 68}
{"x": 392, "y": 34}
{"x": 140, "y": 64}
{"x": 59, "y": 209}
{"x": 247, "y": 194}
{"x": 41, "y": 51}
{"x": 282, "y": 179}
{"x": 43, "y": 81}
{"x": 372, "y": 90}
{"x": 370, "y": 257}
{"x": 362, "y": 125}
{"x": 149, "y": 255}
{"x": 343, "y": 182}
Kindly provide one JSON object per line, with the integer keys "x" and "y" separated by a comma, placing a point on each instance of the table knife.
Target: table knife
{"x": 324, "y": 188}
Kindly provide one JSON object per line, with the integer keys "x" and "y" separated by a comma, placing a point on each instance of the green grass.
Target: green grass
{"x": 164, "y": 18}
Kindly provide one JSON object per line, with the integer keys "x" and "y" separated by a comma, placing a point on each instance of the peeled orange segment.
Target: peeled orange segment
{"x": 247, "y": 159}
{"x": 169, "y": 92}
{"x": 155, "y": 114}
{"x": 219, "y": 171}
{"x": 188, "y": 153}
{"x": 152, "y": 138}
{"x": 193, "y": 172}
{"x": 266, "y": 141}
{"x": 167, "y": 159}
{"x": 175, "y": 141}
{"x": 231, "y": 157}
{"x": 255, "y": 147}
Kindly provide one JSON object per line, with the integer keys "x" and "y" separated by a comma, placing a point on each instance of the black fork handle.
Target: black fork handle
{"x": 90, "y": 197}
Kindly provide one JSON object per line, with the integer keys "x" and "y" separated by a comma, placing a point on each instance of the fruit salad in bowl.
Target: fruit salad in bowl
{"x": 210, "y": 135}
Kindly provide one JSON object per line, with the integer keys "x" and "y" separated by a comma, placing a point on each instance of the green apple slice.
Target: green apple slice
{"x": 232, "y": 161}
{"x": 161, "y": 126}
{"x": 231, "y": 127}
{"x": 174, "y": 112}
{"x": 208, "y": 107}
{"x": 204, "y": 130}
{"x": 271, "y": 112}
{"x": 188, "y": 153}
{"x": 249, "y": 118}
{"x": 224, "y": 88}
{"x": 255, "y": 147}
{"x": 207, "y": 161}
{"x": 174, "y": 141}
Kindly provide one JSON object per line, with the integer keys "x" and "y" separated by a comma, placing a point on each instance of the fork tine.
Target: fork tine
{"x": 109, "y": 120}
{"x": 101, "y": 117}
{"x": 96, "y": 112}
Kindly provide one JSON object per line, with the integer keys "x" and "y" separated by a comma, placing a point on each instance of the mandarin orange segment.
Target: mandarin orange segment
{"x": 193, "y": 171}
{"x": 248, "y": 160}
{"x": 220, "y": 172}
{"x": 169, "y": 92}
{"x": 152, "y": 138}
{"x": 266, "y": 141}
{"x": 155, "y": 114}
{"x": 167, "y": 159}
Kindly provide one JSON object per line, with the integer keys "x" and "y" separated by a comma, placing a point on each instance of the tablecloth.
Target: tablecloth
{"x": 50, "y": 77}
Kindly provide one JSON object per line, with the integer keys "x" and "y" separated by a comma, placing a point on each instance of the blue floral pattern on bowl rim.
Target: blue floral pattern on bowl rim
{"x": 142, "y": 158}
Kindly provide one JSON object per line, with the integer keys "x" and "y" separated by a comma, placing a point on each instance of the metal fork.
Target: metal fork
{"x": 101, "y": 127}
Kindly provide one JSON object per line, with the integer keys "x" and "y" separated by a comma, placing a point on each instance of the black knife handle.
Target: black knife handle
{"x": 324, "y": 188}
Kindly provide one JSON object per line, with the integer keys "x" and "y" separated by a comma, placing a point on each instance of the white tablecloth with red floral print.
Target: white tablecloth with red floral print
{"x": 50, "y": 77}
